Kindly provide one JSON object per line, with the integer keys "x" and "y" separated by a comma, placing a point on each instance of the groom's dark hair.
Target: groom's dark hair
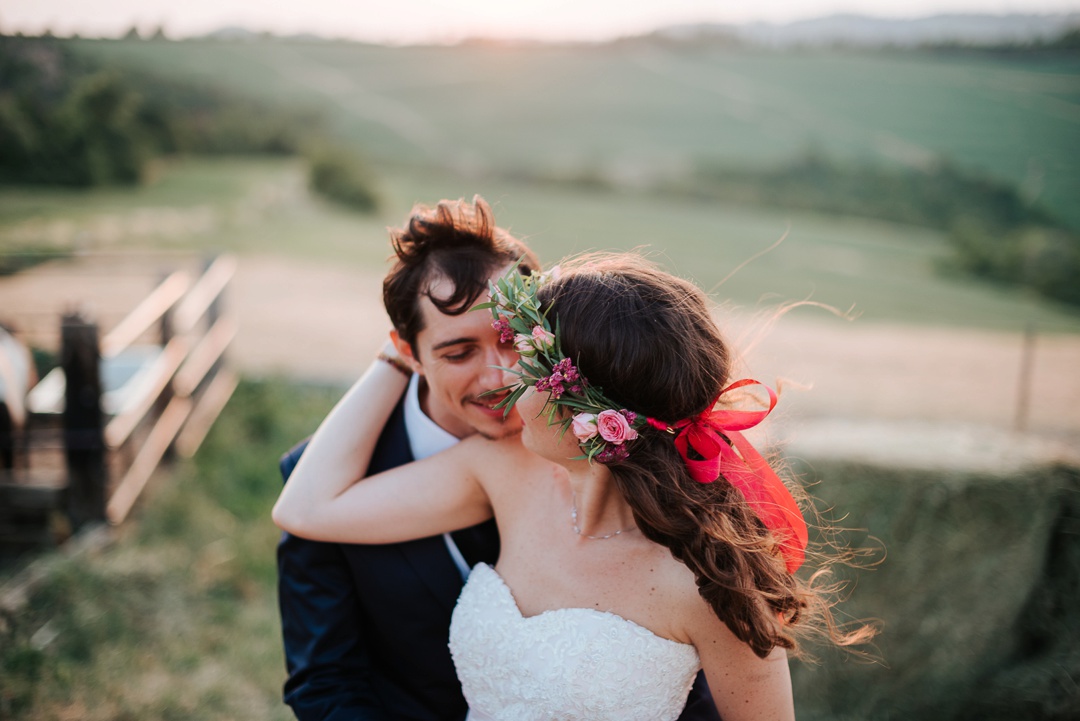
{"x": 454, "y": 240}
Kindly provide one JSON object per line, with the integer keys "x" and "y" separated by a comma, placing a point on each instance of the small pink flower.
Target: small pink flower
{"x": 562, "y": 372}
{"x": 506, "y": 333}
{"x": 552, "y": 384}
{"x": 544, "y": 339}
{"x": 566, "y": 369}
{"x": 584, "y": 426}
{"x": 523, "y": 344}
{"x": 614, "y": 428}
{"x": 613, "y": 454}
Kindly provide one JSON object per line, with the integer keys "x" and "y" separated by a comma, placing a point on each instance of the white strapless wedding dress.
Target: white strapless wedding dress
{"x": 570, "y": 664}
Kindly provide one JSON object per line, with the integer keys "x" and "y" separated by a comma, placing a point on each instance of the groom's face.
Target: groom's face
{"x": 455, "y": 354}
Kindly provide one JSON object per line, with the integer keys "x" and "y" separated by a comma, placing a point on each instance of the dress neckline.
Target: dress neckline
{"x": 551, "y": 611}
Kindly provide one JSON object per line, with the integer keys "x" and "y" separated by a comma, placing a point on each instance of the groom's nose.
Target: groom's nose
{"x": 500, "y": 357}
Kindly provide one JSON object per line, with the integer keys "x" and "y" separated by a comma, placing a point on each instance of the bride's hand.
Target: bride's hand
{"x": 340, "y": 451}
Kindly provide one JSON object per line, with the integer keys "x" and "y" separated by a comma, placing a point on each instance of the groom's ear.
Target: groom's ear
{"x": 405, "y": 351}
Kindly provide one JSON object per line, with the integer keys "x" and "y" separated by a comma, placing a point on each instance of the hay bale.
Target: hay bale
{"x": 977, "y": 595}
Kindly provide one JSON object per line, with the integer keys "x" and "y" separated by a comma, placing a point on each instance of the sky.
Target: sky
{"x": 408, "y": 21}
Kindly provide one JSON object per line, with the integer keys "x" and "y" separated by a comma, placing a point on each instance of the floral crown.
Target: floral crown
{"x": 601, "y": 427}
{"x": 710, "y": 443}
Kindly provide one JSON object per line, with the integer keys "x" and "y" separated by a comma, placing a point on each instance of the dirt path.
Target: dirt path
{"x": 912, "y": 395}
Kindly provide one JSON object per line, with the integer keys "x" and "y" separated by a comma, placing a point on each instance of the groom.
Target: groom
{"x": 366, "y": 627}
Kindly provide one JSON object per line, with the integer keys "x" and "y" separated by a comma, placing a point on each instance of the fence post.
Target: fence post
{"x": 1023, "y": 391}
{"x": 8, "y": 442}
{"x": 83, "y": 420}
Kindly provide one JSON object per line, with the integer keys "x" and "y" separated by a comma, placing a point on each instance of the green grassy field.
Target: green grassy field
{"x": 206, "y": 182}
{"x": 886, "y": 272}
{"x": 636, "y": 112}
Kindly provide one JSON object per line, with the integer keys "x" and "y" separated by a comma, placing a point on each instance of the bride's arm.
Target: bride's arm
{"x": 744, "y": 686}
{"x": 322, "y": 500}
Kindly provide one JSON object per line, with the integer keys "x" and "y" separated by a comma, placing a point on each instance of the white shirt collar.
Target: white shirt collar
{"x": 426, "y": 437}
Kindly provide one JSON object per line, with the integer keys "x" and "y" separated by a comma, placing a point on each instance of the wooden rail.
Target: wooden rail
{"x": 166, "y": 404}
{"x": 120, "y": 428}
{"x": 150, "y": 311}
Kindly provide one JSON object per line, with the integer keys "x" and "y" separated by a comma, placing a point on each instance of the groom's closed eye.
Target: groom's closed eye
{"x": 458, "y": 349}
{"x": 459, "y": 356}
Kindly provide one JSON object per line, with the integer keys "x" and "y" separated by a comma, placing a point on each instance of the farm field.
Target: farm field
{"x": 881, "y": 272}
{"x": 636, "y": 112}
{"x": 921, "y": 347}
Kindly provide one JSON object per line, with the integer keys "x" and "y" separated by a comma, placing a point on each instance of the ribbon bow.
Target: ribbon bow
{"x": 721, "y": 450}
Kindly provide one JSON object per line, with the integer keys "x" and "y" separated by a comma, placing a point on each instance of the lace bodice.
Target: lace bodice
{"x": 572, "y": 664}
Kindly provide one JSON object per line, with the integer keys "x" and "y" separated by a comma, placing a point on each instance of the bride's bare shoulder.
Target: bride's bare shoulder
{"x": 495, "y": 458}
{"x": 504, "y": 465}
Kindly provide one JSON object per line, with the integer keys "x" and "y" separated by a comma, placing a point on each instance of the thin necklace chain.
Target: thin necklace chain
{"x": 577, "y": 528}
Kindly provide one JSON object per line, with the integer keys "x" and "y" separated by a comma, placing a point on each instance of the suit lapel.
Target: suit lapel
{"x": 428, "y": 557}
{"x": 431, "y": 561}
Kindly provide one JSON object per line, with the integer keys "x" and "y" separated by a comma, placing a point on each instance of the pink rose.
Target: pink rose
{"x": 523, "y": 344}
{"x": 543, "y": 338}
{"x": 584, "y": 426}
{"x": 614, "y": 428}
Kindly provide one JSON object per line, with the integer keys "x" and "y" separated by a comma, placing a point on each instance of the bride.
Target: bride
{"x": 642, "y": 537}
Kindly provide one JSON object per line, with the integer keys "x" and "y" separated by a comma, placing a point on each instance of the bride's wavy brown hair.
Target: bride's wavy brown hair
{"x": 648, "y": 340}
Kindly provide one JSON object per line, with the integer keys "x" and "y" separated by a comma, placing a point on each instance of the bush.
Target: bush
{"x": 341, "y": 176}
{"x": 1043, "y": 258}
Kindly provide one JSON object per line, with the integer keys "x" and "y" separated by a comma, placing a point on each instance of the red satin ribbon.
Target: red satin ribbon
{"x": 714, "y": 435}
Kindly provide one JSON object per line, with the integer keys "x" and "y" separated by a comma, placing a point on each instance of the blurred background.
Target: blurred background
{"x": 907, "y": 174}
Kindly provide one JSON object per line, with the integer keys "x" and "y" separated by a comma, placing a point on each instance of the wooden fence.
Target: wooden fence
{"x": 101, "y": 423}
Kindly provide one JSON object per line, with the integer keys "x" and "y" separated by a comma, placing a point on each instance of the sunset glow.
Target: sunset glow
{"x": 408, "y": 21}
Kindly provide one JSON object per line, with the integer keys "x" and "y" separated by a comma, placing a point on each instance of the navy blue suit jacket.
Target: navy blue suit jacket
{"x": 366, "y": 627}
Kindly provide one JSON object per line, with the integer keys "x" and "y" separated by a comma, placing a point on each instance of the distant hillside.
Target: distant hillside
{"x": 643, "y": 113}
{"x": 861, "y": 30}
{"x": 840, "y": 29}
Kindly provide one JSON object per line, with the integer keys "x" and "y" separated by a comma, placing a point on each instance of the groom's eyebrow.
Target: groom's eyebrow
{"x": 455, "y": 341}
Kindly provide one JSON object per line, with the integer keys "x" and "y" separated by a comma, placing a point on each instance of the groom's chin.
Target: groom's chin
{"x": 506, "y": 433}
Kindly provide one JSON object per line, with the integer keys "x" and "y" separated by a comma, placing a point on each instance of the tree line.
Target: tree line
{"x": 66, "y": 121}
